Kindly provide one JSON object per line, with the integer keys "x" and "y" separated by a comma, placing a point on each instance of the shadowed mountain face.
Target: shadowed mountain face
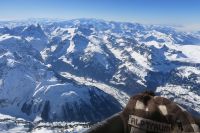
{"x": 85, "y": 70}
{"x": 92, "y": 106}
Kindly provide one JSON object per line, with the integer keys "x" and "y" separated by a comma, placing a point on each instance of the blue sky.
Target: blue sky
{"x": 142, "y": 11}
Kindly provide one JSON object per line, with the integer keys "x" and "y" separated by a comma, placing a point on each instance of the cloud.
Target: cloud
{"x": 189, "y": 27}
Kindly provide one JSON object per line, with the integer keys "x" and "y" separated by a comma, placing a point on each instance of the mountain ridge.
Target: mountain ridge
{"x": 99, "y": 64}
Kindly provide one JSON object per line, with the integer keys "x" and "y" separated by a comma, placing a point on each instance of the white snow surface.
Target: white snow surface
{"x": 190, "y": 52}
{"x": 181, "y": 95}
{"x": 124, "y": 54}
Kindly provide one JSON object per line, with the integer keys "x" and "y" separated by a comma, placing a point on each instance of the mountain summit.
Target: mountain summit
{"x": 85, "y": 70}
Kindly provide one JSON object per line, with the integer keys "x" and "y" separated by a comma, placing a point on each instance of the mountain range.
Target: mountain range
{"x": 85, "y": 70}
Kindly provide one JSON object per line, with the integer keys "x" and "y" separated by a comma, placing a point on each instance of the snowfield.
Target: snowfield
{"x": 182, "y": 95}
{"x": 64, "y": 75}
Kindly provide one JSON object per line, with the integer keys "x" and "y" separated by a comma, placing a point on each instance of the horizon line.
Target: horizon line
{"x": 181, "y": 27}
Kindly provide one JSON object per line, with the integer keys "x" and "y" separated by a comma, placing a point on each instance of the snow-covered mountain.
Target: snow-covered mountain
{"x": 84, "y": 70}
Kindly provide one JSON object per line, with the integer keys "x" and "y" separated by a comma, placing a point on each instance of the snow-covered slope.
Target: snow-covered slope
{"x": 84, "y": 70}
{"x": 29, "y": 89}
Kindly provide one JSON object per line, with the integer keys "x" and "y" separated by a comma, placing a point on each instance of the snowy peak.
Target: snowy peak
{"x": 33, "y": 31}
{"x": 66, "y": 70}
